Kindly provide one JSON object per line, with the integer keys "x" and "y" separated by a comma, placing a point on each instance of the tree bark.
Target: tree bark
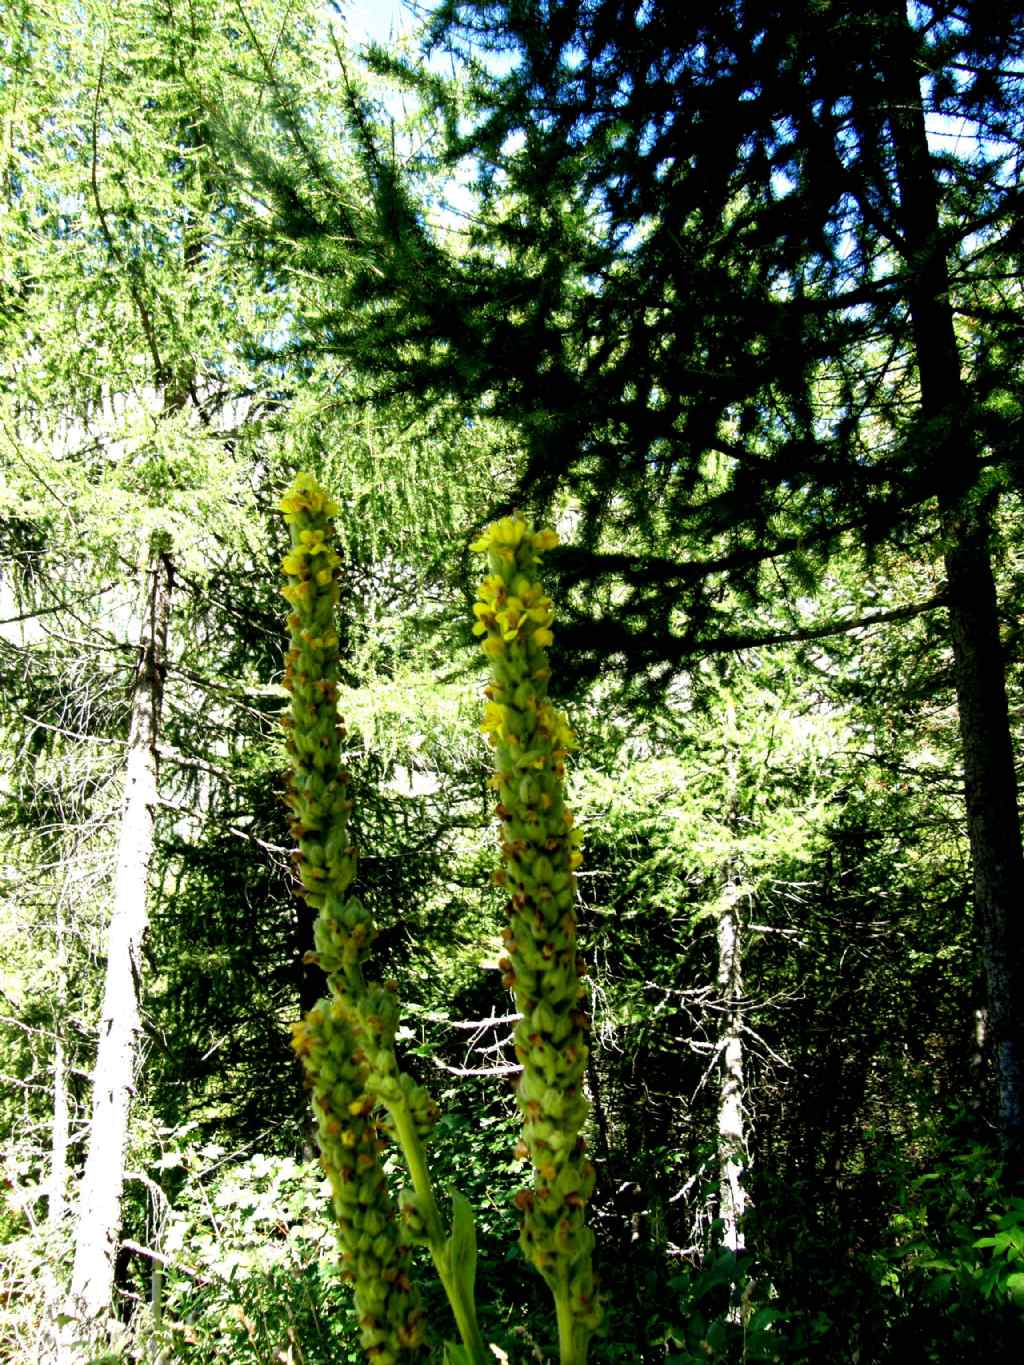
{"x": 993, "y": 821}
{"x": 98, "y": 1213}
{"x": 732, "y": 1146}
{"x": 57, "y": 1185}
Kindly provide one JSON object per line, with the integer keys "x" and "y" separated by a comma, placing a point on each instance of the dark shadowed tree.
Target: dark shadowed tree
{"x": 750, "y": 305}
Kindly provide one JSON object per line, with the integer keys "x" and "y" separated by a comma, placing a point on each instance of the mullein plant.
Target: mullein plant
{"x": 540, "y": 850}
{"x": 361, "y": 1098}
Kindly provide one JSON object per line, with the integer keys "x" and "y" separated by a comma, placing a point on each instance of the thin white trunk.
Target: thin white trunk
{"x": 98, "y": 1211}
{"x": 732, "y": 1147}
{"x": 57, "y": 1186}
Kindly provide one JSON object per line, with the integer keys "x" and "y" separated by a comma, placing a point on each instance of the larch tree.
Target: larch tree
{"x": 128, "y": 416}
{"x": 115, "y": 1075}
{"x": 141, "y": 448}
{"x": 738, "y": 307}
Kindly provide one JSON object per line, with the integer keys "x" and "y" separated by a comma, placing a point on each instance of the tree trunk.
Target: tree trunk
{"x": 98, "y": 1213}
{"x": 732, "y": 1147}
{"x": 993, "y": 822}
{"x": 57, "y": 1185}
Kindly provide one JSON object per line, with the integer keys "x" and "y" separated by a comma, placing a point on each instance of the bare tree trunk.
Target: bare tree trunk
{"x": 57, "y": 1186}
{"x": 732, "y": 1147}
{"x": 98, "y": 1213}
{"x": 993, "y": 818}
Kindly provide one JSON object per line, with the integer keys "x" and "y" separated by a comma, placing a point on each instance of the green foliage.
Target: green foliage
{"x": 954, "y": 1292}
{"x": 250, "y": 1271}
{"x": 224, "y": 257}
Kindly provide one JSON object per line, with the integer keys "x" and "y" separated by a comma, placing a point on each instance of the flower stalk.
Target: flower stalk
{"x": 361, "y": 1098}
{"x": 540, "y": 851}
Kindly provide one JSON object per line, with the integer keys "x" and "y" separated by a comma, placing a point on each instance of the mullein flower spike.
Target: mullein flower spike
{"x": 540, "y": 851}
{"x": 374, "y": 1243}
{"x": 318, "y": 798}
{"x": 345, "y": 1043}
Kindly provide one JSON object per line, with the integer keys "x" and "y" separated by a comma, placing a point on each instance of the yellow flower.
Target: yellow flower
{"x": 492, "y": 589}
{"x": 493, "y": 647}
{"x": 545, "y": 540}
{"x": 324, "y": 577}
{"x": 543, "y": 637}
{"x": 509, "y": 620}
{"x": 509, "y": 530}
{"x": 494, "y": 718}
{"x": 292, "y": 563}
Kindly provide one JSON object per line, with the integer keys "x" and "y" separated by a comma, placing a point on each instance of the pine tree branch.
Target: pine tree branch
{"x": 612, "y": 637}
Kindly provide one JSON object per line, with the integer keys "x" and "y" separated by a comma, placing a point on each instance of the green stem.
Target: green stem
{"x": 571, "y": 1349}
{"x": 462, "y": 1304}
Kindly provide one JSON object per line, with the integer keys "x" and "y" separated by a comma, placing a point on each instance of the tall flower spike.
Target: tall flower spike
{"x": 375, "y": 1245}
{"x": 318, "y": 796}
{"x": 540, "y": 852}
{"x": 341, "y": 1054}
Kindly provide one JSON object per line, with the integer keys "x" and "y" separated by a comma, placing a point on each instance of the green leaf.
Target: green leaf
{"x": 1015, "y": 1284}
{"x": 462, "y": 1243}
{"x": 763, "y": 1318}
{"x": 456, "y": 1355}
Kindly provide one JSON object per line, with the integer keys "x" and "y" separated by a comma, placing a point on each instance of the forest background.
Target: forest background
{"x": 733, "y": 299}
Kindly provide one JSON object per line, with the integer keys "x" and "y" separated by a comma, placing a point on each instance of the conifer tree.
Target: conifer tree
{"x": 739, "y": 307}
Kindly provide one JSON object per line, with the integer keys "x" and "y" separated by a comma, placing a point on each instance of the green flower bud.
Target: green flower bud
{"x": 514, "y": 617}
{"x": 336, "y": 1039}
